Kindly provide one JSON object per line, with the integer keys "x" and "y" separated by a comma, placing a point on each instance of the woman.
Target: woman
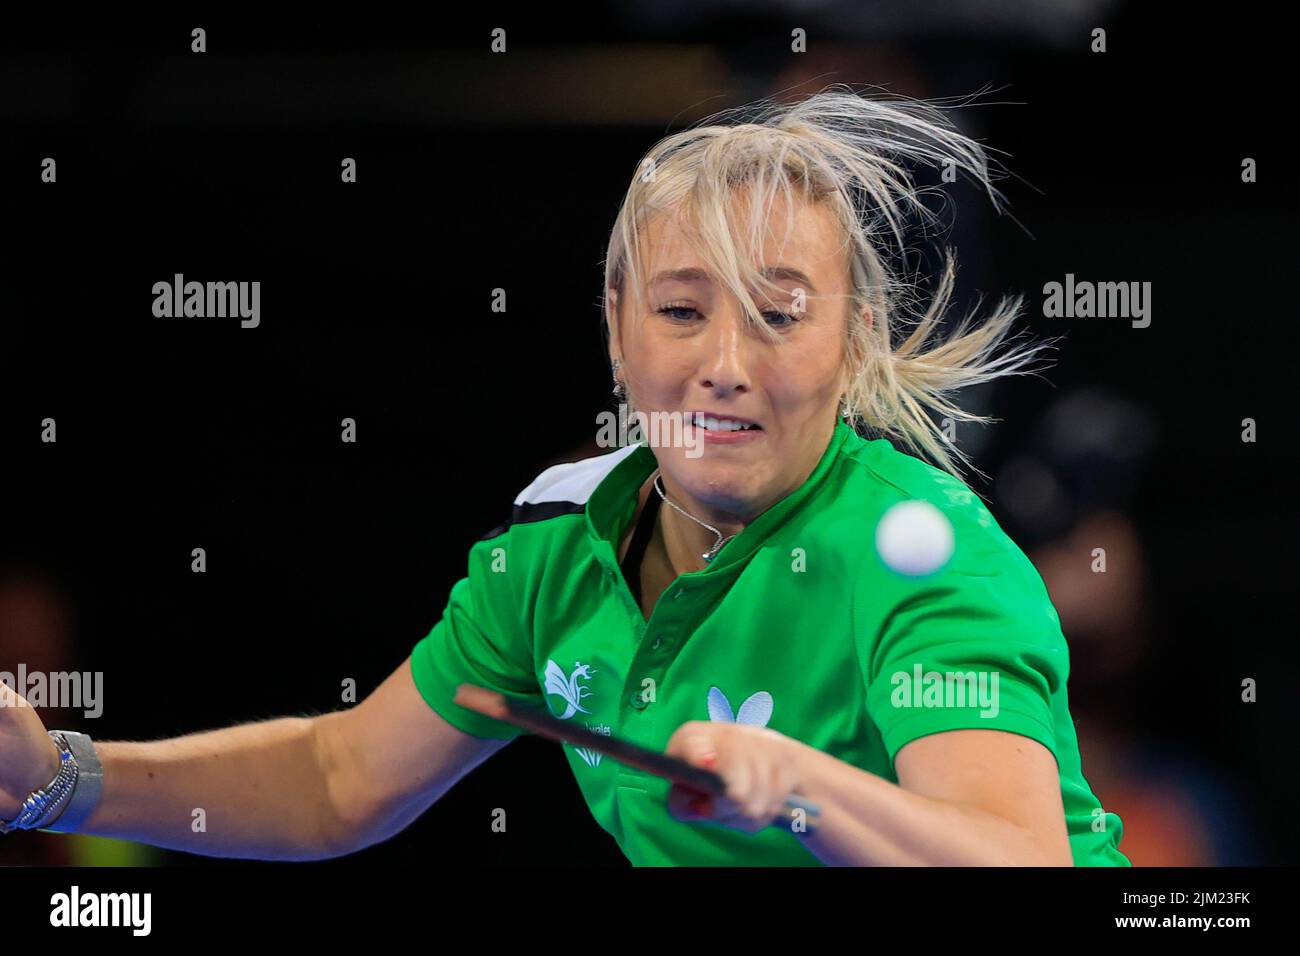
{"x": 769, "y": 595}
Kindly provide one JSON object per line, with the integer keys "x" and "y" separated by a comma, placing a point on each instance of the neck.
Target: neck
{"x": 685, "y": 541}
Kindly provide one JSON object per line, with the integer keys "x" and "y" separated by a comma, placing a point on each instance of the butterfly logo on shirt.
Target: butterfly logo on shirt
{"x": 568, "y": 688}
{"x": 755, "y": 711}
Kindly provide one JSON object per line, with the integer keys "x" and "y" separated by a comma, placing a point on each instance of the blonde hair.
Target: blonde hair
{"x": 847, "y": 151}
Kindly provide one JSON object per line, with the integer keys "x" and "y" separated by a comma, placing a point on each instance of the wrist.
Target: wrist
{"x": 64, "y": 803}
{"x": 73, "y": 812}
{"x": 45, "y": 772}
{"x": 808, "y": 764}
{"x": 49, "y": 769}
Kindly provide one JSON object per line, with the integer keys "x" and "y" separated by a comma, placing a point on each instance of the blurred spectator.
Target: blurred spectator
{"x": 1069, "y": 492}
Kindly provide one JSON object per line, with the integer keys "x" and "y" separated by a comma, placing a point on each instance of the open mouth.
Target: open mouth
{"x": 723, "y": 423}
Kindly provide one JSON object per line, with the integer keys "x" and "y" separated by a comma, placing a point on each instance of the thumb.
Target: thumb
{"x": 700, "y": 749}
{"x": 684, "y": 802}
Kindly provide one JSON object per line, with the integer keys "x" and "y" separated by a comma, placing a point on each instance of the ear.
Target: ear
{"x": 611, "y": 319}
{"x": 854, "y": 360}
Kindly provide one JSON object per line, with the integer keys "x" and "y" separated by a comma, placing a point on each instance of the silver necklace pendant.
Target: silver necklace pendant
{"x": 712, "y": 553}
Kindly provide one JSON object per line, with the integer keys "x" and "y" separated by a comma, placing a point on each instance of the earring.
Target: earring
{"x": 620, "y": 390}
{"x": 845, "y": 409}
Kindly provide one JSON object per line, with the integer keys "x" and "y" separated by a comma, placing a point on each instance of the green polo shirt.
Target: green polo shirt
{"x": 798, "y": 624}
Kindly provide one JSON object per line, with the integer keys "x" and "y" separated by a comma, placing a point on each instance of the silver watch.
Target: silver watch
{"x": 65, "y": 802}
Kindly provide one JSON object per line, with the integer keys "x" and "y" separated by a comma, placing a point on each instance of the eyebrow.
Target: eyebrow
{"x": 774, "y": 273}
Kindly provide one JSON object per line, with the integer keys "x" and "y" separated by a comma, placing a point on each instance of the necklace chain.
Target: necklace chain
{"x": 717, "y": 545}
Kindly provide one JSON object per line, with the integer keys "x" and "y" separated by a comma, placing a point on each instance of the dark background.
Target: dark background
{"x": 477, "y": 171}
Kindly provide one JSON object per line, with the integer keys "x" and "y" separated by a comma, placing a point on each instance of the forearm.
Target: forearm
{"x": 256, "y": 791}
{"x": 868, "y": 821}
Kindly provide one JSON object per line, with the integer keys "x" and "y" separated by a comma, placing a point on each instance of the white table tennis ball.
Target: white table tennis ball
{"x": 914, "y": 538}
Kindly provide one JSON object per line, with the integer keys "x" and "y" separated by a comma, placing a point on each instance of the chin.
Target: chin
{"x": 724, "y": 486}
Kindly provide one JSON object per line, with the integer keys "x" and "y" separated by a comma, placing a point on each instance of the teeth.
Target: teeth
{"x": 718, "y": 424}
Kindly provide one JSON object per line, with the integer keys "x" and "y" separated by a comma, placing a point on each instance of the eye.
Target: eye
{"x": 683, "y": 313}
{"x": 673, "y": 311}
{"x": 780, "y": 320}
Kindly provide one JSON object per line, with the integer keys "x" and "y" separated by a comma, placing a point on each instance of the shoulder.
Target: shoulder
{"x": 571, "y": 482}
{"x": 881, "y": 489}
{"x": 936, "y": 566}
{"x": 893, "y": 475}
{"x": 880, "y": 476}
{"x": 560, "y": 490}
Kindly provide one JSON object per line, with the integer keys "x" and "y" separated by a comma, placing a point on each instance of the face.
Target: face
{"x": 687, "y": 347}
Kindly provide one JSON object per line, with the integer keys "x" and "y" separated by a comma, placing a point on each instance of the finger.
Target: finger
{"x": 785, "y": 786}
{"x": 687, "y": 804}
{"x": 761, "y": 787}
{"x": 700, "y": 750}
{"x": 739, "y": 777}
{"x": 732, "y": 814}
{"x": 772, "y": 794}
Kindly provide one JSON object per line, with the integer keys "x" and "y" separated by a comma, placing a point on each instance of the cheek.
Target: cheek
{"x": 660, "y": 369}
{"x": 659, "y": 381}
{"x": 809, "y": 377}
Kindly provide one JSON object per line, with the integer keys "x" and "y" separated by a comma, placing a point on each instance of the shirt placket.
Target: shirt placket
{"x": 646, "y": 691}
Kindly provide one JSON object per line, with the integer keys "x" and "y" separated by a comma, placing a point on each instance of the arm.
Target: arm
{"x": 964, "y": 798}
{"x": 978, "y": 781}
{"x": 294, "y": 788}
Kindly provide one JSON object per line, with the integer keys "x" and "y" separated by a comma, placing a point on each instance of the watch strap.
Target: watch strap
{"x": 90, "y": 785}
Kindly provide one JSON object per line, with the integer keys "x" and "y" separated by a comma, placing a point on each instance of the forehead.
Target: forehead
{"x": 796, "y": 234}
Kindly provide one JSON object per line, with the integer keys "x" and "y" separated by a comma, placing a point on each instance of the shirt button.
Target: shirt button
{"x": 638, "y": 701}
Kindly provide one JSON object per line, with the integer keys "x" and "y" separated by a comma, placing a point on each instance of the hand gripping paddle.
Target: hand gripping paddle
{"x": 500, "y": 707}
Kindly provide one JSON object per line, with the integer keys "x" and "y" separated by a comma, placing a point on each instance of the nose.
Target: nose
{"x": 725, "y": 365}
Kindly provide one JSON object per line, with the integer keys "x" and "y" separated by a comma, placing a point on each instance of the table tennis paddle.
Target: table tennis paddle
{"x": 500, "y": 707}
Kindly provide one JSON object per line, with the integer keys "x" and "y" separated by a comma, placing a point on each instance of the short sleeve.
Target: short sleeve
{"x": 977, "y": 645}
{"x": 480, "y": 640}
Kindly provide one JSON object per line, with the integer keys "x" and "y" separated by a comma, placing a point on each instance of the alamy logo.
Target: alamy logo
{"x": 1101, "y": 300}
{"x": 568, "y": 687}
{"x": 179, "y": 299}
{"x": 76, "y": 689}
{"x": 131, "y": 910}
{"x": 950, "y": 689}
{"x": 658, "y": 429}
{"x": 755, "y": 711}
